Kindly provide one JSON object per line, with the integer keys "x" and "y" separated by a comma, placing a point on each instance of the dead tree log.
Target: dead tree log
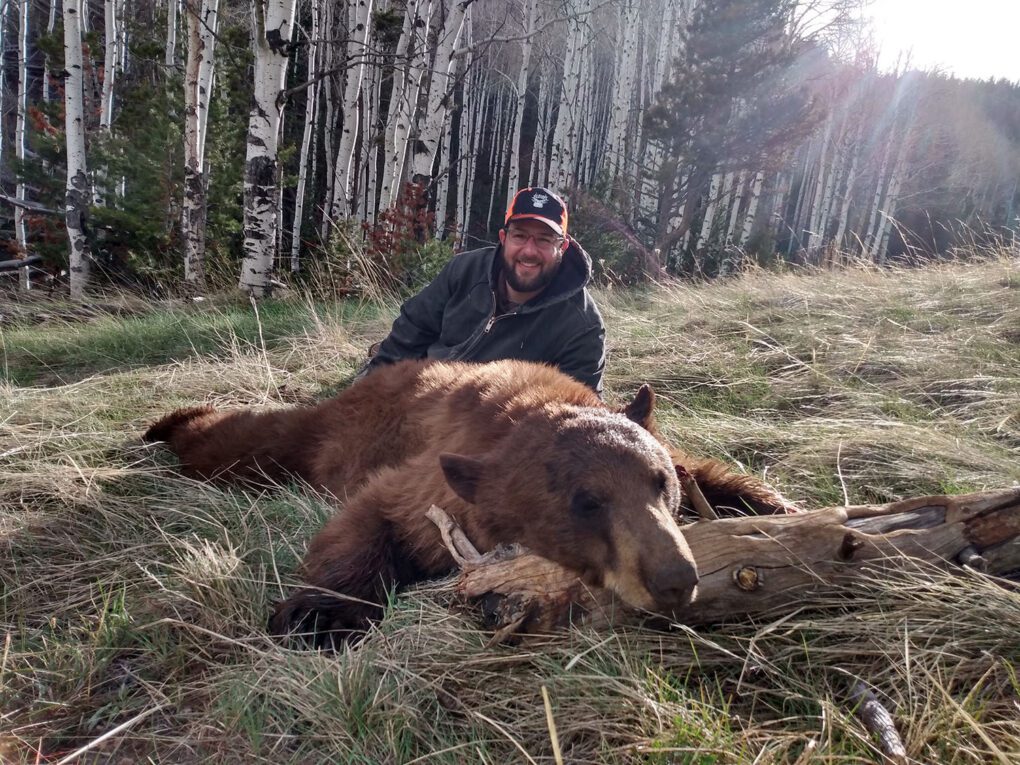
{"x": 761, "y": 563}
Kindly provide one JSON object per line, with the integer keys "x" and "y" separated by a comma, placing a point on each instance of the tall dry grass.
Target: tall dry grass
{"x": 134, "y": 600}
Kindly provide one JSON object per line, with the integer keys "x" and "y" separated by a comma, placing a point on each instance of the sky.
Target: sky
{"x": 968, "y": 38}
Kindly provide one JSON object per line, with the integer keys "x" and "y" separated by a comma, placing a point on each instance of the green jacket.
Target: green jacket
{"x": 454, "y": 318}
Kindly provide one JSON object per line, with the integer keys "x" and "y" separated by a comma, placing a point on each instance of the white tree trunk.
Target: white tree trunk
{"x": 824, "y": 173}
{"x": 849, "y": 188}
{"x": 706, "y": 224}
{"x": 77, "y": 189}
{"x": 738, "y": 200}
{"x": 170, "y": 55}
{"x": 499, "y": 152}
{"x": 725, "y": 200}
{"x": 360, "y": 24}
{"x": 470, "y": 148}
{"x": 530, "y": 22}
{"x": 540, "y": 153}
{"x": 111, "y": 62}
{"x": 446, "y": 168}
{"x": 273, "y": 24}
{"x": 871, "y": 232}
{"x": 198, "y": 77}
{"x": 620, "y": 123}
{"x": 411, "y": 67}
{"x": 892, "y": 197}
{"x": 569, "y": 121}
{"x": 803, "y": 191}
{"x": 433, "y": 124}
{"x": 20, "y": 130}
{"x": 370, "y": 130}
{"x": 307, "y": 139}
{"x": 752, "y": 208}
{"x": 51, "y": 24}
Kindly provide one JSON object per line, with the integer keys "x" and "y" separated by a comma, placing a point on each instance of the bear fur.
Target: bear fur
{"x": 513, "y": 451}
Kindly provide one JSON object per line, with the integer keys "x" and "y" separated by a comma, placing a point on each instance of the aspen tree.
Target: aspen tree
{"x": 77, "y": 188}
{"x": 433, "y": 122}
{"x": 20, "y": 134}
{"x": 200, "y": 19}
{"x": 307, "y": 139}
{"x": 345, "y": 168}
{"x": 273, "y": 23}
{"x": 170, "y": 52}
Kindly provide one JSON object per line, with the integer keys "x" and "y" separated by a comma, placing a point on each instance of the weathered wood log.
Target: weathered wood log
{"x": 755, "y": 564}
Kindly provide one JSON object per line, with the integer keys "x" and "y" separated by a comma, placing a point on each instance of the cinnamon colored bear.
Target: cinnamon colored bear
{"x": 513, "y": 451}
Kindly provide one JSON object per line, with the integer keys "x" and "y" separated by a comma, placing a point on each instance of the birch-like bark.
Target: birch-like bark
{"x": 499, "y": 153}
{"x": 738, "y": 200}
{"x": 433, "y": 123}
{"x": 620, "y": 123}
{"x": 531, "y": 20}
{"x": 725, "y": 200}
{"x": 849, "y": 187}
{"x": 51, "y": 24}
{"x": 540, "y": 148}
{"x": 170, "y": 54}
{"x": 880, "y": 243}
{"x": 360, "y": 24}
{"x": 5, "y": 8}
{"x": 563, "y": 159}
{"x": 706, "y": 224}
{"x": 77, "y": 188}
{"x": 311, "y": 102}
{"x": 110, "y": 63}
{"x": 410, "y": 69}
{"x": 803, "y": 190}
{"x": 871, "y": 231}
{"x": 752, "y": 208}
{"x": 198, "y": 77}
{"x": 447, "y": 163}
{"x": 824, "y": 173}
{"x": 20, "y": 137}
{"x": 479, "y": 105}
{"x": 371, "y": 130}
{"x": 273, "y": 24}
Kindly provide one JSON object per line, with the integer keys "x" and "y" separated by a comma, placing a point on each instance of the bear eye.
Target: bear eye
{"x": 585, "y": 504}
{"x": 662, "y": 484}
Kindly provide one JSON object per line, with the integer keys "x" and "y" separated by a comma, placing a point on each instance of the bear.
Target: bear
{"x": 514, "y": 451}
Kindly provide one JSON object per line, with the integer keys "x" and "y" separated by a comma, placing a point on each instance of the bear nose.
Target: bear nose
{"x": 673, "y": 585}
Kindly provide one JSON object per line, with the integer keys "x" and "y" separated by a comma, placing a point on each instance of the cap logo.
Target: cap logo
{"x": 539, "y": 200}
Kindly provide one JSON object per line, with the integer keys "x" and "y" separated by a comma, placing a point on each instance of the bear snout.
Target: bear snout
{"x": 672, "y": 585}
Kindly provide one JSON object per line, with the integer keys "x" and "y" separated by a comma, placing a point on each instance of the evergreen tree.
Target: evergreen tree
{"x": 732, "y": 101}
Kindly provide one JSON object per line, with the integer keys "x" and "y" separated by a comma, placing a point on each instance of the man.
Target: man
{"x": 525, "y": 299}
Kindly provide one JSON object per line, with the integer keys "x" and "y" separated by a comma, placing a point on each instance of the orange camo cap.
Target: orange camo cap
{"x": 538, "y": 203}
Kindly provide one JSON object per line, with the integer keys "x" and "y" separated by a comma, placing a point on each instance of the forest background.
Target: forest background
{"x": 217, "y": 141}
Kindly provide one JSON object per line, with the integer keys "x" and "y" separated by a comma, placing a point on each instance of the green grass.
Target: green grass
{"x": 64, "y": 352}
{"x": 131, "y": 596}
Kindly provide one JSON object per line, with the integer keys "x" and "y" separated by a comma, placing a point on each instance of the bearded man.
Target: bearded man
{"x": 526, "y": 298}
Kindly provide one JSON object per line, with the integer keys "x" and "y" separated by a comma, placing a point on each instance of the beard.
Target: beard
{"x": 533, "y": 283}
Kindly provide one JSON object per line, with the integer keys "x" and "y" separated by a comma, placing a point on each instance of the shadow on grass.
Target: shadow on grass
{"x": 65, "y": 353}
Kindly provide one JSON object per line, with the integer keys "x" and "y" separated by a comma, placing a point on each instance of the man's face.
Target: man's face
{"x": 532, "y": 253}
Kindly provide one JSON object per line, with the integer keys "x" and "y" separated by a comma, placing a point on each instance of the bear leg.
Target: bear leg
{"x": 351, "y": 565}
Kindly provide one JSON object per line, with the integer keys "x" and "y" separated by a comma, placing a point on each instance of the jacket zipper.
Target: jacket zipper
{"x": 493, "y": 318}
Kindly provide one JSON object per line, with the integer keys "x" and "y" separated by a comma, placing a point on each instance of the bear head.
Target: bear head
{"x": 592, "y": 490}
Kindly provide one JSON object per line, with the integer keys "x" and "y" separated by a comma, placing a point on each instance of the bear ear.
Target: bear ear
{"x": 462, "y": 473}
{"x": 640, "y": 409}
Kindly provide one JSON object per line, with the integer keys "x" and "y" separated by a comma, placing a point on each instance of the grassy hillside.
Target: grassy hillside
{"x": 134, "y": 600}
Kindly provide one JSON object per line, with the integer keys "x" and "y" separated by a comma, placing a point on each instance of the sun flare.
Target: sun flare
{"x": 973, "y": 39}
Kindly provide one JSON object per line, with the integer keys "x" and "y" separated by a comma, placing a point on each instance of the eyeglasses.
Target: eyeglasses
{"x": 545, "y": 244}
